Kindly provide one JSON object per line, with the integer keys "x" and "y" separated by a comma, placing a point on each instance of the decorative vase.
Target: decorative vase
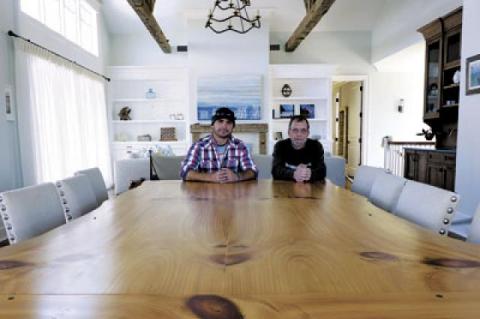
{"x": 456, "y": 77}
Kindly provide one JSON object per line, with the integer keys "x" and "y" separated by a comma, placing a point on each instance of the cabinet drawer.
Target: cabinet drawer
{"x": 441, "y": 157}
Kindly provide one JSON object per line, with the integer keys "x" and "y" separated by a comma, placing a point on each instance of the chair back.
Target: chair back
{"x": 474, "y": 232}
{"x": 165, "y": 167}
{"x": 364, "y": 178}
{"x": 30, "y": 211}
{"x": 95, "y": 178}
{"x": 427, "y": 206}
{"x": 128, "y": 170}
{"x": 335, "y": 169}
{"x": 386, "y": 190}
{"x": 264, "y": 165}
{"x": 77, "y": 196}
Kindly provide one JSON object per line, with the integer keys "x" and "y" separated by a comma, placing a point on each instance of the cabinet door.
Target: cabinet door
{"x": 436, "y": 174}
{"x": 411, "y": 165}
{"x": 433, "y": 76}
{"x": 450, "y": 178}
{"x": 421, "y": 167}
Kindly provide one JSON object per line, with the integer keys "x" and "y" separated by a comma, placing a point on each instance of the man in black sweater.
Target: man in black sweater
{"x": 298, "y": 158}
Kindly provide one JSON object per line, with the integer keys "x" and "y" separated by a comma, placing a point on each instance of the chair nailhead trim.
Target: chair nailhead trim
{"x": 62, "y": 193}
{"x": 446, "y": 221}
{"x": 64, "y": 201}
{"x": 5, "y": 217}
{"x": 3, "y": 208}
{"x": 59, "y": 184}
{"x": 453, "y": 199}
{"x": 449, "y": 210}
{"x": 442, "y": 231}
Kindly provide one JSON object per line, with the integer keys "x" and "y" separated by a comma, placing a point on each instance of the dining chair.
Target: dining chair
{"x": 30, "y": 211}
{"x": 77, "y": 196}
{"x": 165, "y": 167}
{"x": 97, "y": 183}
{"x": 427, "y": 206}
{"x": 386, "y": 190}
{"x": 264, "y": 165}
{"x": 474, "y": 231}
{"x": 364, "y": 178}
{"x": 335, "y": 169}
{"x": 127, "y": 170}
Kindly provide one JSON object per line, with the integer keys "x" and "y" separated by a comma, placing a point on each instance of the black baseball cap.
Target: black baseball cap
{"x": 224, "y": 113}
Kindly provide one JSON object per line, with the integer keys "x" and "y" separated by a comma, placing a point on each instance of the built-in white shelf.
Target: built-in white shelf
{"x": 310, "y": 120}
{"x": 299, "y": 98}
{"x": 149, "y": 122}
{"x": 147, "y": 143}
{"x": 146, "y": 100}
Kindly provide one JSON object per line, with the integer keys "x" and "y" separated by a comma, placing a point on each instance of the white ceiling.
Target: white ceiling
{"x": 285, "y": 15}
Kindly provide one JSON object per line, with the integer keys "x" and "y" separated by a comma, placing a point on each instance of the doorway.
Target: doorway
{"x": 348, "y": 109}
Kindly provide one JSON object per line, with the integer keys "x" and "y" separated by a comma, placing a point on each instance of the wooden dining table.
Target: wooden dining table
{"x": 257, "y": 249}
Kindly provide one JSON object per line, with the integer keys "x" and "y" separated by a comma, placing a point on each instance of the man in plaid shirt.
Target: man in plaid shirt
{"x": 219, "y": 157}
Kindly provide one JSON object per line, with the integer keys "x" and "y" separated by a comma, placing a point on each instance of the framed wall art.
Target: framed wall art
{"x": 473, "y": 75}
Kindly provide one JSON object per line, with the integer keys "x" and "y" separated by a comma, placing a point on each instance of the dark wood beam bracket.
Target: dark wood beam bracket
{"x": 144, "y": 9}
{"x": 316, "y": 9}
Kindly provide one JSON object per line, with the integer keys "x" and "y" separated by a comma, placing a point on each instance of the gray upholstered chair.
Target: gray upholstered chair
{"x": 77, "y": 196}
{"x": 128, "y": 170}
{"x": 428, "y": 206}
{"x": 96, "y": 181}
{"x": 166, "y": 167}
{"x": 264, "y": 165}
{"x": 386, "y": 190}
{"x": 335, "y": 169}
{"x": 364, "y": 178}
{"x": 30, "y": 211}
{"x": 474, "y": 231}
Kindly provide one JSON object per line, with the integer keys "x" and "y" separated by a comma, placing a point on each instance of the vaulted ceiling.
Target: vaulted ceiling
{"x": 285, "y": 15}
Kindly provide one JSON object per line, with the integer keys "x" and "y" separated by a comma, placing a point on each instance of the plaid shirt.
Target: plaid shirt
{"x": 202, "y": 157}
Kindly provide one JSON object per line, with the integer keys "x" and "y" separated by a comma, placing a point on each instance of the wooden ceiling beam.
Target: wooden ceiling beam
{"x": 144, "y": 9}
{"x": 309, "y": 4}
{"x": 317, "y": 10}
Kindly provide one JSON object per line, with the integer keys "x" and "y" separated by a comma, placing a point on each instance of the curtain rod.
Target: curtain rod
{"x": 13, "y": 34}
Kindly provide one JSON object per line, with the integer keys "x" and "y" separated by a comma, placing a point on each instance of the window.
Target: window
{"x": 76, "y": 20}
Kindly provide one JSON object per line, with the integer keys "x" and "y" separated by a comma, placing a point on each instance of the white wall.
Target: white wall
{"x": 400, "y": 76}
{"x": 350, "y": 51}
{"x": 397, "y": 25}
{"x": 10, "y": 176}
{"x": 467, "y": 182}
{"x": 141, "y": 50}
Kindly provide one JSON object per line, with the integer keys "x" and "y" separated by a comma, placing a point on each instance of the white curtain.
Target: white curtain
{"x": 66, "y": 112}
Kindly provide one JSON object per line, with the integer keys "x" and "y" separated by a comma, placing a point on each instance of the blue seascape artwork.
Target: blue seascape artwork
{"x": 307, "y": 110}
{"x": 241, "y": 93}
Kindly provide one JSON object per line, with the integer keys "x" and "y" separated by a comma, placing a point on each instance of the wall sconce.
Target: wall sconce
{"x": 400, "y": 105}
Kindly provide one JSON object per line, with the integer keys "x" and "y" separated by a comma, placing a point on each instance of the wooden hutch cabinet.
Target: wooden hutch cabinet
{"x": 442, "y": 92}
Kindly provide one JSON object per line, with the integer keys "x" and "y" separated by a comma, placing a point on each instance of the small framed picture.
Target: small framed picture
{"x": 9, "y": 104}
{"x": 287, "y": 110}
{"x": 307, "y": 110}
{"x": 473, "y": 75}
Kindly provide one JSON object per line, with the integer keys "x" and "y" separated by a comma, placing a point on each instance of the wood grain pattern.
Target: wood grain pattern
{"x": 144, "y": 10}
{"x": 316, "y": 11}
{"x": 258, "y": 249}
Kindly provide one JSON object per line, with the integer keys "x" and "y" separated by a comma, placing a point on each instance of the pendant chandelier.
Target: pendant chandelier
{"x": 231, "y": 15}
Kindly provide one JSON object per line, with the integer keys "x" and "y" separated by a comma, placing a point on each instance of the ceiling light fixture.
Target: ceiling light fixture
{"x": 232, "y": 15}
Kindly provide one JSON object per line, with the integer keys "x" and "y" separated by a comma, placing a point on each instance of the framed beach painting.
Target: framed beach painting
{"x": 240, "y": 93}
{"x": 473, "y": 75}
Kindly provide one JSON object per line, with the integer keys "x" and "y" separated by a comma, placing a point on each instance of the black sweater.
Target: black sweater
{"x": 284, "y": 154}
